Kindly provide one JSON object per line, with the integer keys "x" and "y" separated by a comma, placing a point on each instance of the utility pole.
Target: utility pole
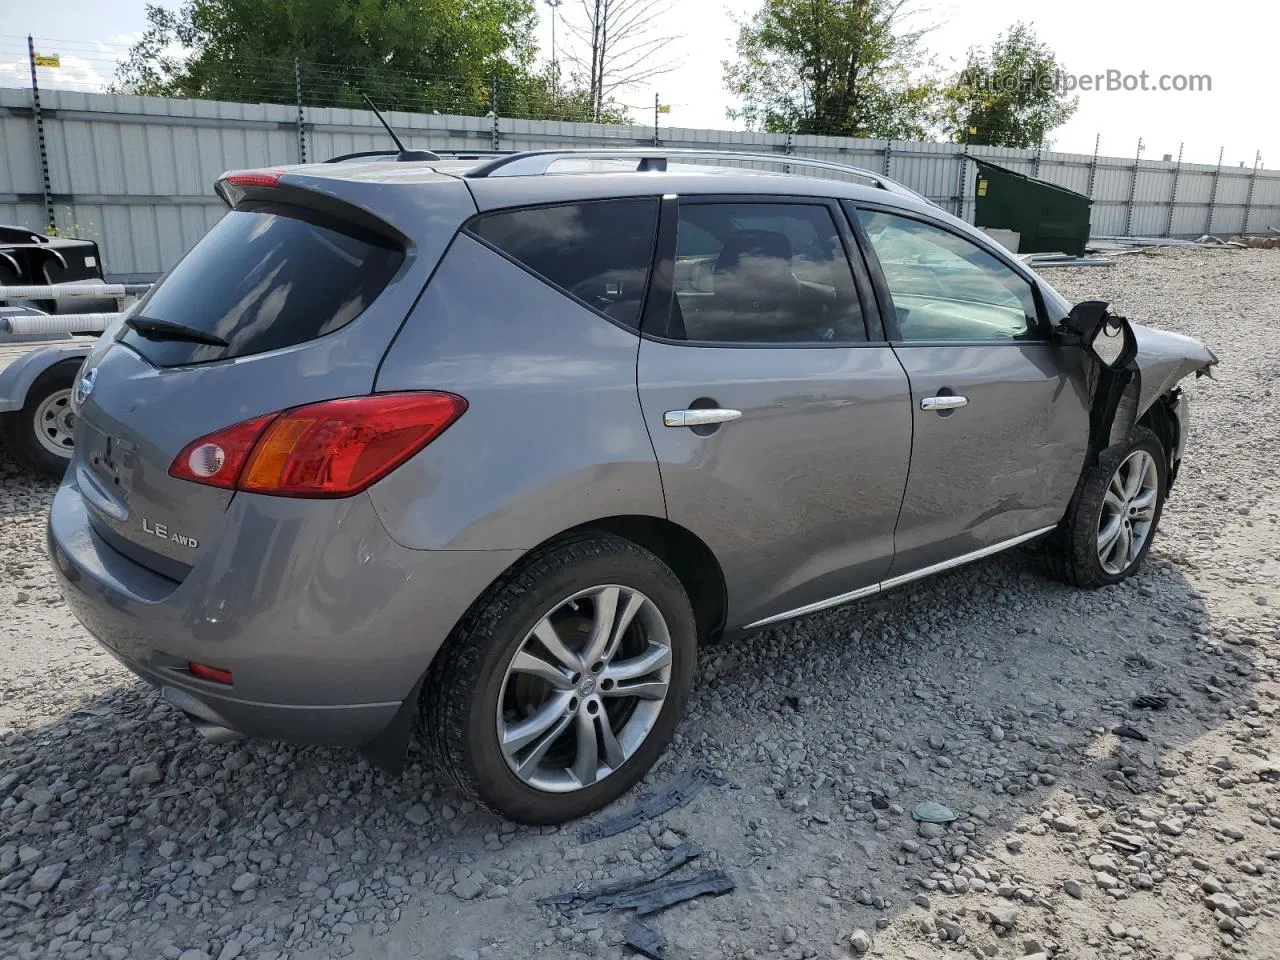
{"x": 40, "y": 141}
{"x": 1173, "y": 193}
{"x": 555, "y": 64}
{"x": 1253, "y": 183}
{"x": 1133, "y": 189}
{"x": 1213, "y": 194}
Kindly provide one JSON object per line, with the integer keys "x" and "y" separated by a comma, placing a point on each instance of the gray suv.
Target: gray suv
{"x": 484, "y": 447}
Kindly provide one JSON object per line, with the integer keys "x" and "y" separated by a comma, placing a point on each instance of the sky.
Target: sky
{"x": 1233, "y": 43}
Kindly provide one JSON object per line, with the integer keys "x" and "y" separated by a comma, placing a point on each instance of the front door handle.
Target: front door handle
{"x": 698, "y": 418}
{"x": 949, "y": 402}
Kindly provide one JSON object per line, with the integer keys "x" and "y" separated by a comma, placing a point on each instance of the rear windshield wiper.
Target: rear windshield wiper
{"x": 154, "y": 329}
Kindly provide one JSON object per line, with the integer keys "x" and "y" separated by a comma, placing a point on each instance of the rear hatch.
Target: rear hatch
{"x": 293, "y": 297}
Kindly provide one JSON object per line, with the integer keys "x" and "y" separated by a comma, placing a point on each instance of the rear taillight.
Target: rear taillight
{"x": 332, "y": 449}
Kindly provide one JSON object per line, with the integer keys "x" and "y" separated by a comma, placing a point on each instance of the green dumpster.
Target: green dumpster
{"x": 1047, "y": 217}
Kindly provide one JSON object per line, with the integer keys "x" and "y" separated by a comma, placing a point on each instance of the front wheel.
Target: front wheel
{"x": 564, "y": 683}
{"x": 1109, "y": 527}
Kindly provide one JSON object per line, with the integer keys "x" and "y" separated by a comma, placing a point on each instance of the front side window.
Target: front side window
{"x": 945, "y": 287}
{"x": 762, "y": 273}
{"x": 597, "y": 251}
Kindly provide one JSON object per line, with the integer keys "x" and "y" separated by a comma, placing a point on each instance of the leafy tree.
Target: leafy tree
{"x": 1010, "y": 96}
{"x": 840, "y": 67}
{"x": 441, "y": 56}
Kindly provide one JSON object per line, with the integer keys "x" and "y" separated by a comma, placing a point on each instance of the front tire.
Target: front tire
{"x": 1112, "y": 520}
{"x": 564, "y": 682}
{"x": 40, "y": 435}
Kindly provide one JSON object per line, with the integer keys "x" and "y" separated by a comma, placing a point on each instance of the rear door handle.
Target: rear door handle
{"x": 698, "y": 418}
{"x": 949, "y": 402}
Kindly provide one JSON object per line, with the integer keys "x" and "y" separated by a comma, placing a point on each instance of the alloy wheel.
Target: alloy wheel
{"x": 1128, "y": 512}
{"x": 584, "y": 689}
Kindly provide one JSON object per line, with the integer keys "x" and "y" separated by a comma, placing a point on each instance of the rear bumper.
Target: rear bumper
{"x": 325, "y": 623}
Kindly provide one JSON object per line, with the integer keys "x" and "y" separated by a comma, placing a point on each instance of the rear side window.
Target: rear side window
{"x": 598, "y": 252}
{"x": 263, "y": 278}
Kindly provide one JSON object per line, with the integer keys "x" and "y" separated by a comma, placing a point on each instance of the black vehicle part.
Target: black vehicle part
{"x": 645, "y": 940}
{"x": 677, "y": 794}
{"x": 1114, "y": 382}
{"x": 669, "y": 891}
{"x": 603, "y": 895}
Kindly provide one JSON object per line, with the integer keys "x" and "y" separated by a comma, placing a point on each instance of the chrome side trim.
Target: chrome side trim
{"x": 815, "y": 607}
{"x": 898, "y": 581}
{"x": 961, "y": 560}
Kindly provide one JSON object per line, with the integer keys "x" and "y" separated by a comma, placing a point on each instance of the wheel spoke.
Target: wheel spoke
{"x": 609, "y": 744}
{"x": 587, "y": 763}
{"x": 645, "y": 690}
{"x": 522, "y": 734}
{"x": 606, "y": 612}
{"x": 1107, "y": 535}
{"x": 1116, "y": 488}
{"x": 1144, "y": 499}
{"x": 527, "y": 663}
{"x": 634, "y": 602}
{"x": 652, "y": 659}
{"x": 547, "y": 636}
{"x": 1114, "y": 501}
{"x": 1126, "y": 550}
{"x": 1135, "y": 469}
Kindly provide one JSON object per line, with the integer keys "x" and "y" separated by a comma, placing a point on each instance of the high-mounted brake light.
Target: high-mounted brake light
{"x": 255, "y": 178}
{"x": 331, "y": 449}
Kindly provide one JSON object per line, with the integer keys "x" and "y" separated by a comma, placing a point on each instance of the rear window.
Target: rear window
{"x": 264, "y": 278}
{"x": 598, "y": 252}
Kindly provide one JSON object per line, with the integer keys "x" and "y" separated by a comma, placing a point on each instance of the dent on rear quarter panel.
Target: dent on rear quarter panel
{"x": 553, "y": 435}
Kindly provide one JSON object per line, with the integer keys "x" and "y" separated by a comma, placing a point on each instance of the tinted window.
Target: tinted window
{"x": 265, "y": 278}
{"x": 762, "y": 273}
{"x": 945, "y": 287}
{"x": 599, "y": 252}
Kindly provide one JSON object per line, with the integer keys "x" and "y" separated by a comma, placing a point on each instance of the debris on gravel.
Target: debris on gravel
{"x": 991, "y": 691}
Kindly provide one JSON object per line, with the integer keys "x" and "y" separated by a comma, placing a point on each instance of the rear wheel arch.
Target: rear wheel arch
{"x": 688, "y": 556}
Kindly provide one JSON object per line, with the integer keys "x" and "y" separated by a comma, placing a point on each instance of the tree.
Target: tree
{"x": 841, "y": 67}
{"x": 441, "y": 56}
{"x": 617, "y": 45}
{"x": 1011, "y": 96}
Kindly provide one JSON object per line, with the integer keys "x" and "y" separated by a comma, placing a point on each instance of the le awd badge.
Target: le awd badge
{"x": 161, "y": 530}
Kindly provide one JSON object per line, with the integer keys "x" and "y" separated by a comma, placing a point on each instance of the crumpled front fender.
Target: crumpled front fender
{"x": 1163, "y": 359}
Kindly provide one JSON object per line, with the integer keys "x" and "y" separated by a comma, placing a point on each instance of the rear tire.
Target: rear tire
{"x": 1113, "y": 517}
{"x": 39, "y": 435}
{"x": 495, "y": 682}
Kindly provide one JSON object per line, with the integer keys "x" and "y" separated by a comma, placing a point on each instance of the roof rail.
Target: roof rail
{"x": 536, "y": 162}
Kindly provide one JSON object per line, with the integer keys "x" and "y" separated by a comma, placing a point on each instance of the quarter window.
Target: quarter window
{"x": 762, "y": 273}
{"x": 945, "y": 287}
{"x": 598, "y": 252}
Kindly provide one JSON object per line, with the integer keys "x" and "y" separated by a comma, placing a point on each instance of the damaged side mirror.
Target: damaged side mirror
{"x": 1107, "y": 337}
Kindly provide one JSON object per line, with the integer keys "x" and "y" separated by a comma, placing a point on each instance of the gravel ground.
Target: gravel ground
{"x": 992, "y": 690}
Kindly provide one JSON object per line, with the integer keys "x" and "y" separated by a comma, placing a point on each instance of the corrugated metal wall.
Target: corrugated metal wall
{"x": 136, "y": 173}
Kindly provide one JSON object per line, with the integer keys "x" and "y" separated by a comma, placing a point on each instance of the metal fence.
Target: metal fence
{"x": 135, "y": 173}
